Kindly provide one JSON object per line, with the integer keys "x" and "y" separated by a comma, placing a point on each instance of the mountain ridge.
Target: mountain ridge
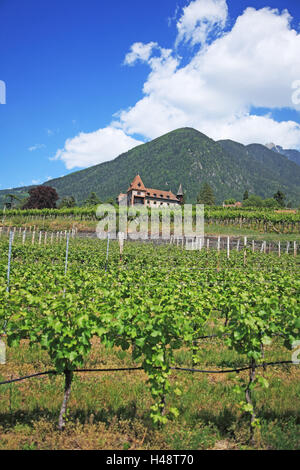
{"x": 188, "y": 157}
{"x": 291, "y": 154}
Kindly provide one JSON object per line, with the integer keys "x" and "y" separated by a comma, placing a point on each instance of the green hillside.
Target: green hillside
{"x": 188, "y": 157}
{"x": 267, "y": 170}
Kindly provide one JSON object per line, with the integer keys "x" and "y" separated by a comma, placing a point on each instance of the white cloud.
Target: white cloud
{"x": 139, "y": 51}
{"x": 199, "y": 19}
{"x": 254, "y": 129}
{"x": 252, "y": 66}
{"x": 91, "y": 148}
{"x": 36, "y": 147}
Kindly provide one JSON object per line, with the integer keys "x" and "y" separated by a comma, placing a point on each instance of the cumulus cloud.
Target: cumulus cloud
{"x": 139, "y": 51}
{"x": 199, "y": 19}
{"x": 254, "y": 65}
{"x": 88, "y": 149}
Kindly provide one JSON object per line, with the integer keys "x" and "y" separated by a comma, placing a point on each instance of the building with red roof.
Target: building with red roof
{"x": 138, "y": 194}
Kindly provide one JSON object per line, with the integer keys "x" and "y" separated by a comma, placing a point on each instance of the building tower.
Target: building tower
{"x": 179, "y": 195}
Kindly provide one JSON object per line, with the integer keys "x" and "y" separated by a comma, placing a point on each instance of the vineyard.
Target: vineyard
{"x": 267, "y": 221}
{"x": 165, "y": 312}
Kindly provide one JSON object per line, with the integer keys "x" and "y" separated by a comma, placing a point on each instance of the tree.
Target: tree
{"x": 13, "y": 200}
{"x": 271, "y": 203}
{"x": 253, "y": 201}
{"x": 206, "y": 195}
{"x": 246, "y": 195}
{"x": 67, "y": 201}
{"x": 229, "y": 201}
{"x": 92, "y": 200}
{"x": 110, "y": 201}
{"x": 41, "y": 197}
{"x": 279, "y": 197}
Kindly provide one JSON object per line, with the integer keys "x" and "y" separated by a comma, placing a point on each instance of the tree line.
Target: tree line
{"x": 46, "y": 197}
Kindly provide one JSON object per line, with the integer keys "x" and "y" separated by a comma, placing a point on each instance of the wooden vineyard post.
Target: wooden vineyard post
{"x": 218, "y": 255}
{"x": 24, "y": 237}
{"x": 253, "y": 246}
{"x": 295, "y": 249}
{"x": 33, "y": 237}
{"x": 245, "y": 251}
{"x": 107, "y": 252}
{"x": 207, "y": 244}
{"x": 287, "y": 247}
{"x": 45, "y": 240}
{"x": 121, "y": 244}
{"x": 228, "y": 247}
{"x": 238, "y": 245}
{"x": 279, "y": 249}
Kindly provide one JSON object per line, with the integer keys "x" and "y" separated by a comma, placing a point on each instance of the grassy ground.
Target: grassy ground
{"x": 111, "y": 410}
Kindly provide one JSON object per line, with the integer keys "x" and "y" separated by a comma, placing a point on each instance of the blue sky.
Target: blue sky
{"x": 88, "y": 80}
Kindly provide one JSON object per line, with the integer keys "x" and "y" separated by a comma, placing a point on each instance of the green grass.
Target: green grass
{"x": 111, "y": 410}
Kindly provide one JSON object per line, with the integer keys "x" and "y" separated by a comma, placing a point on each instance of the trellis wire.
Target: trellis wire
{"x": 184, "y": 369}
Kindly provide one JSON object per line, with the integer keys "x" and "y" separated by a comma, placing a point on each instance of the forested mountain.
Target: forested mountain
{"x": 188, "y": 157}
{"x": 291, "y": 154}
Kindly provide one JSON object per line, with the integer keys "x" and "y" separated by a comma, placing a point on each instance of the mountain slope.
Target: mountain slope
{"x": 293, "y": 155}
{"x": 269, "y": 170}
{"x": 188, "y": 157}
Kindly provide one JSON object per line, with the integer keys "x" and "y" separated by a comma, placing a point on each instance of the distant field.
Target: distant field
{"x": 267, "y": 225}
